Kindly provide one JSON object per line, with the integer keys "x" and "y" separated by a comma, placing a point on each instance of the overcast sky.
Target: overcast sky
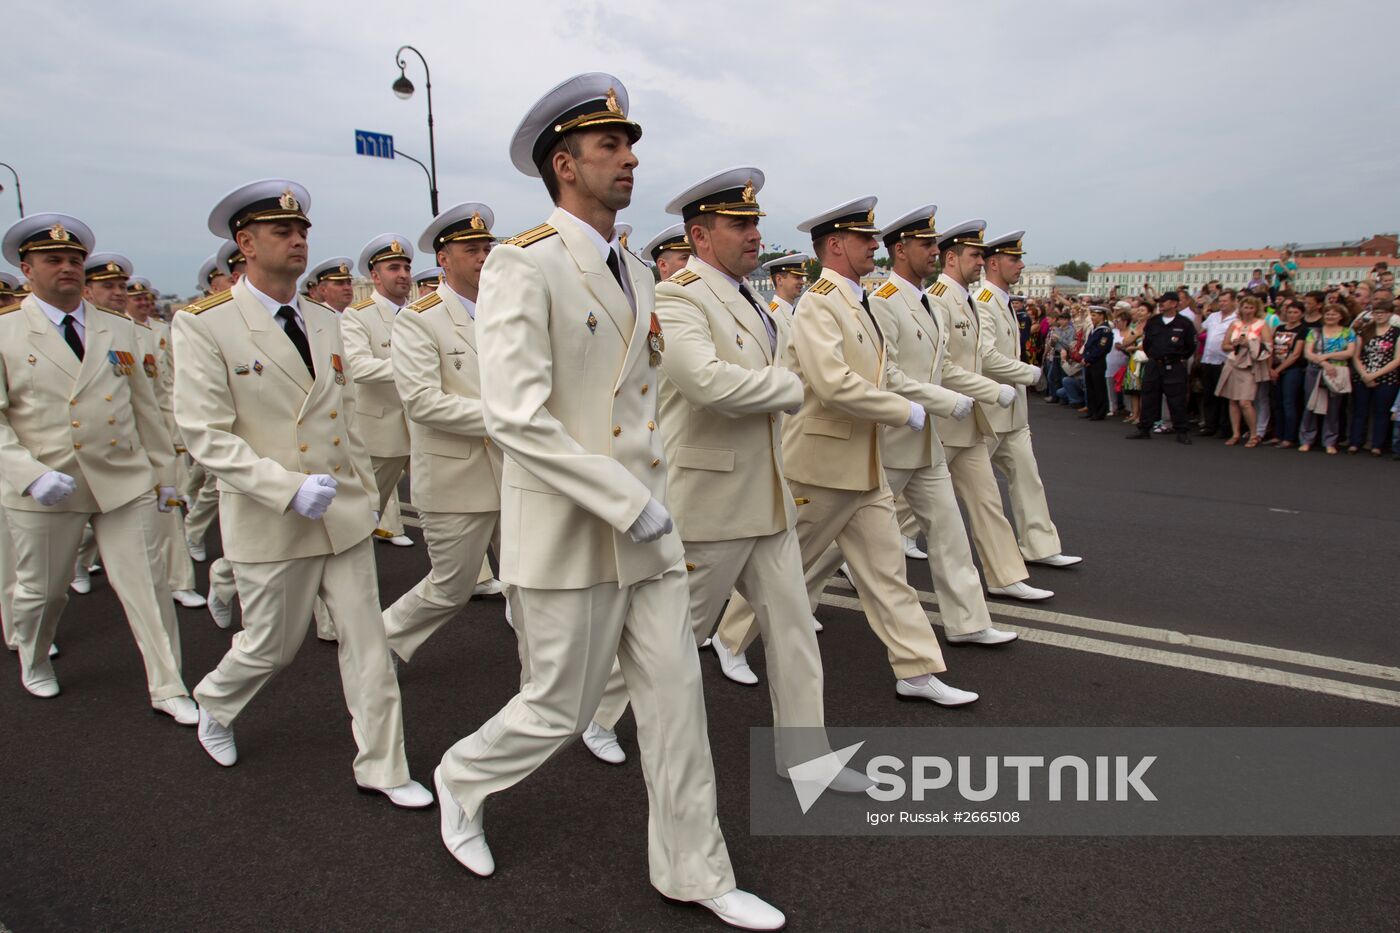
{"x": 1108, "y": 131}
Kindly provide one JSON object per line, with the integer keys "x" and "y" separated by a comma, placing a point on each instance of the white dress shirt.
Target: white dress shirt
{"x": 466, "y": 302}
{"x": 1216, "y": 325}
{"x": 604, "y": 247}
{"x": 57, "y": 316}
{"x": 273, "y": 305}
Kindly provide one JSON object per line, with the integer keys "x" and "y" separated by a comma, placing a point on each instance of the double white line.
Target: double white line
{"x": 1281, "y": 667}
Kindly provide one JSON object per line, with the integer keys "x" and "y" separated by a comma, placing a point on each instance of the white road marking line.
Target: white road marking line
{"x": 1232, "y": 669}
{"x": 1183, "y": 639}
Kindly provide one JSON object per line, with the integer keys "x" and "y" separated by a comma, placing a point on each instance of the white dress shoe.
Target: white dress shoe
{"x": 53, "y": 650}
{"x": 1020, "y": 590}
{"x": 1058, "y": 560}
{"x": 181, "y": 709}
{"x": 986, "y": 636}
{"x": 217, "y": 740}
{"x": 41, "y": 680}
{"x": 410, "y": 796}
{"x": 603, "y": 744}
{"x": 735, "y": 666}
{"x": 464, "y": 838}
{"x": 706, "y": 643}
{"x": 197, "y": 552}
{"x": 491, "y": 587}
{"x": 816, "y": 624}
{"x": 400, "y": 541}
{"x": 913, "y": 551}
{"x": 188, "y": 598}
{"x": 220, "y": 610}
{"x": 935, "y": 690}
{"x": 82, "y": 581}
{"x": 745, "y": 911}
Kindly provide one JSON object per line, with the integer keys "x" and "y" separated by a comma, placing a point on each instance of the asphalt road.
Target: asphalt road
{"x": 112, "y": 818}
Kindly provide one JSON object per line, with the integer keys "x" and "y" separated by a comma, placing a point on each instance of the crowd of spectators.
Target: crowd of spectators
{"x": 1271, "y": 366}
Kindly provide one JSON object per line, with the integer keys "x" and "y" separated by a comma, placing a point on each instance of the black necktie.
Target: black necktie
{"x": 288, "y": 317}
{"x": 70, "y": 336}
{"x": 768, "y": 325}
{"x": 923, "y": 300}
{"x": 874, "y": 325}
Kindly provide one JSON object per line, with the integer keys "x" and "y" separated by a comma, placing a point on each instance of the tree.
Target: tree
{"x": 1075, "y": 269}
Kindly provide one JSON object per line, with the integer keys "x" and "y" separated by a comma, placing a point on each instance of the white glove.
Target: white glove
{"x": 654, "y": 522}
{"x": 962, "y": 407}
{"x": 1005, "y": 396}
{"x": 314, "y": 496}
{"x": 163, "y": 496}
{"x": 917, "y": 416}
{"x": 51, "y": 488}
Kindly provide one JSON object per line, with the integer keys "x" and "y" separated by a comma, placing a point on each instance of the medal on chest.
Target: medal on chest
{"x": 149, "y": 365}
{"x": 121, "y": 361}
{"x": 656, "y": 343}
{"x": 338, "y": 368}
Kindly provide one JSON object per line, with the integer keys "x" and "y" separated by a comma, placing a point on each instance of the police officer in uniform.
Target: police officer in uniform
{"x": 999, "y": 335}
{"x": 263, "y": 400}
{"x": 1169, "y": 340}
{"x": 335, "y": 286}
{"x": 966, "y": 443}
{"x": 179, "y": 568}
{"x": 75, "y": 392}
{"x": 427, "y": 280}
{"x": 456, "y": 469}
{"x": 789, "y": 275}
{"x": 670, "y": 250}
{"x": 831, "y": 454}
{"x": 368, "y": 331}
{"x": 570, "y": 352}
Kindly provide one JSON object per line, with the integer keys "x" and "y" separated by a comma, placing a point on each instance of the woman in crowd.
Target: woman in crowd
{"x": 1118, "y": 360}
{"x": 1247, "y": 345}
{"x": 1035, "y": 337}
{"x": 1132, "y": 376}
{"x": 1375, "y": 381}
{"x": 1329, "y": 350}
{"x": 1286, "y": 370}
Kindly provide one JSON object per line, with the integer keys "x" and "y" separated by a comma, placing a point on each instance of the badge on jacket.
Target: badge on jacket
{"x": 149, "y": 365}
{"x": 121, "y": 361}
{"x": 592, "y": 322}
{"x": 338, "y": 368}
{"x": 656, "y": 344}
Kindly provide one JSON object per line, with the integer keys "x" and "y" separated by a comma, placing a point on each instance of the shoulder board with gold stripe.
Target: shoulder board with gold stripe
{"x": 938, "y": 289}
{"x": 145, "y": 324}
{"x": 424, "y": 302}
{"x": 683, "y": 277}
{"x": 209, "y": 301}
{"x": 8, "y": 308}
{"x": 823, "y": 287}
{"x": 984, "y": 296}
{"x": 361, "y": 305}
{"x": 532, "y": 236}
{"x": 115, "y": 314}
{"x": 319, "y": 304}
{"x": 887, "y": 290}
{"x": 772, "y": 306}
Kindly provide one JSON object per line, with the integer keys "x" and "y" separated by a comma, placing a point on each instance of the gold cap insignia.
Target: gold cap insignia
{"x": 613, "y": 105}
{"x": 57, "y": 232}
{"x": 288, "y": 201}
{"x": 748, "y": 194}
{"x": 113, "y": 267}
{"x": 870, "y": 216}
{"x": 394, "y": 247}
{"x": 344, "y": 269}
{"x": 930, "y": 220}
{"x": 477, "y": 222}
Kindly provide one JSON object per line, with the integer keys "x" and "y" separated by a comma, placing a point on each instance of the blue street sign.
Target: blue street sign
{"x": 378, "y": 145}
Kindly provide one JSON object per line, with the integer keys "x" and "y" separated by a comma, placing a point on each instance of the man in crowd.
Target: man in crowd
{"x": 789, "y": 275}
{"x": 1169, "y": 340}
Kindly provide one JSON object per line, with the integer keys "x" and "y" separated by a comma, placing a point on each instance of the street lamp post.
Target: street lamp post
{"x": 404, "y": 89}
{"x": 19, "y": 195}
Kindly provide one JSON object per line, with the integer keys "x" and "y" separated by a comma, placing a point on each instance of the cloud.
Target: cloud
{"x": 1107, "y": 131}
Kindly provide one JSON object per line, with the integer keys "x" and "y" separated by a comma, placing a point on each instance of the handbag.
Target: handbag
{"x": 1338, "y": 379}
